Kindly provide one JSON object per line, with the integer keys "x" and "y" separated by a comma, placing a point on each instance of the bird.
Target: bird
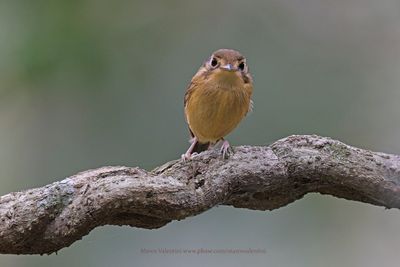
{"x": 217, "y": 98}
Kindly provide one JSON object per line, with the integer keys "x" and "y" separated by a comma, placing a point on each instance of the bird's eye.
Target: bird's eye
{"x": 241, "y": 66}
{"x": 214, "y": 62}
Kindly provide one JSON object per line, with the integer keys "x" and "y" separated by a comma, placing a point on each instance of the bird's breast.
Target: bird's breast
{"x": 214, "y": 110}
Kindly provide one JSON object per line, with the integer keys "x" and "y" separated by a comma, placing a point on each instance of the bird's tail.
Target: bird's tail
{"x": 200, "y": 147}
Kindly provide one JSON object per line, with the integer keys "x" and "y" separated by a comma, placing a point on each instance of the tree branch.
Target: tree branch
{"x": 46, "y": 219}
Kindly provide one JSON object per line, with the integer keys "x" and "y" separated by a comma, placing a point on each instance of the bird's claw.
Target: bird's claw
{"x": 226, "y": 149}
{"x": 188, "y": 156}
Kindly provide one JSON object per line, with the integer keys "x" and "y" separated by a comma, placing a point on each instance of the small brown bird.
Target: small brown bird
{"x": 217, "y": 99}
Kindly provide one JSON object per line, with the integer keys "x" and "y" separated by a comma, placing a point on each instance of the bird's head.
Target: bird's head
{"x": 227, "y": 65}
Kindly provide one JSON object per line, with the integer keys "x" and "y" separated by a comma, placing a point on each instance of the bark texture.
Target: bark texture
{"x": 46, "y": 219}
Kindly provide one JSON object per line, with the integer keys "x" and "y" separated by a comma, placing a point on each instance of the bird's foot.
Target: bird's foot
{"x": 188, "y": 156}
{"x": 226, "y": 149}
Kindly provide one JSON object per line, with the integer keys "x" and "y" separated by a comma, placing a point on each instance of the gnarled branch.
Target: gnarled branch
{"x": 46, "y": 219}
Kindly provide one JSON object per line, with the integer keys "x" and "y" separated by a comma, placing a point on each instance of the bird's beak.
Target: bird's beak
{"x": 228, "y": 67}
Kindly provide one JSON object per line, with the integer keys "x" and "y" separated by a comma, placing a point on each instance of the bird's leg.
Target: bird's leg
{"x": 188, "y": 153}
{"x": 226, "y": 149}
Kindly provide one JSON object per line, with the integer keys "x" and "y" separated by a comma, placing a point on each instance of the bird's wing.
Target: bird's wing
{"x": 188, "y": 93}
{"x": 191, "y": 87}
{"x": 251, "y": 106}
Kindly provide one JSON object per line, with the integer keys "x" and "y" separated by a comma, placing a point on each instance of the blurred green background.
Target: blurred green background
{"x": 90, "y": 83}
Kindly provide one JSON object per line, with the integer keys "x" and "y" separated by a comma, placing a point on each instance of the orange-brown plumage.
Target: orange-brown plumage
{"x": 217, "y": 99}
